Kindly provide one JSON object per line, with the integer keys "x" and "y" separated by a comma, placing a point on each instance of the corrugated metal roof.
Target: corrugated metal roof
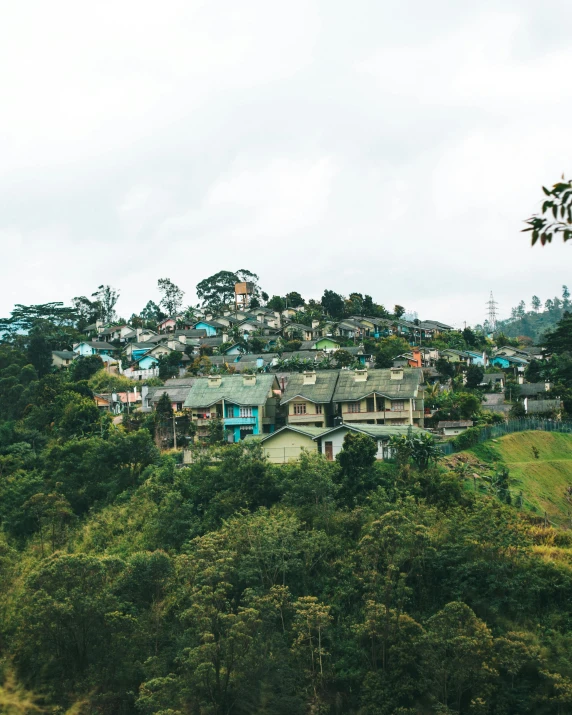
{"x": 322, "y": 391}
{"x": 231, "y": 389}
{"x": 379, "y": 381}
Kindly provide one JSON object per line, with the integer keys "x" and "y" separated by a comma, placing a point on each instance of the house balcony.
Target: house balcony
{"x": 403, "y": 415}
{"x": 385, "y": 416}
{"x": 306, "y": 419}
{"x": 204, "y": 421}
{"x": 237, "y": 421}
{"x": 362, "y": 416}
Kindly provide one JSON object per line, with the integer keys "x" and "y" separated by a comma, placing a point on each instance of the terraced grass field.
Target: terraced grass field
{"x": 543, "y": 479}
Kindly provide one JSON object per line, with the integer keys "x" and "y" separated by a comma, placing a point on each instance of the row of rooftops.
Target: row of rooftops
{"x": 321, "y": 386}
{"x": 324, "y": 386}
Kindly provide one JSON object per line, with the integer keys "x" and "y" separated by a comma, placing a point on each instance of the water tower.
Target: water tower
{"x": 243, "y": 293}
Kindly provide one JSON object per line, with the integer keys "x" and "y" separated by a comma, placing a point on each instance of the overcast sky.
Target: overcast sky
{"x": 389, "y": 148}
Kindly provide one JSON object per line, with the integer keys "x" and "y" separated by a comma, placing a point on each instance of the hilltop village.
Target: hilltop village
{"x": 300, "y": 377}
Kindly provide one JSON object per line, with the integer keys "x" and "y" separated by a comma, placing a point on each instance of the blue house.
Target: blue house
{"x": 507, "y": 362}
{"x": 93, "y": 347}
{"x": 475, "y": 358}
{"x": 147, "y": 362}
{"x": 137, "y": 354}
{"x": 212, "y": 327}
{"x": 245, "y": 403}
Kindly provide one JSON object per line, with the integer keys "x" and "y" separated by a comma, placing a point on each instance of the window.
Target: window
{"x": 245, "y": 412}
{"x": 318, "y": 409}
{"x": 299, "y": 408}
{"x": 354, "y": 407}
{"x": 397, "y": 406}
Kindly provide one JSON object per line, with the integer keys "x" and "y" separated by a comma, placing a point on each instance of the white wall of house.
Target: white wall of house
{"x": 337, "y": 440}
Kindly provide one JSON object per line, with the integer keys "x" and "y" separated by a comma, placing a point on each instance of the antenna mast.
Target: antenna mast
{"x": 492, "y": 313}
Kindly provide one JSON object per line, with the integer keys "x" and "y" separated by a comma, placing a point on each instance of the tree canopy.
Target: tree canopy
{"x": 171, "y": 296}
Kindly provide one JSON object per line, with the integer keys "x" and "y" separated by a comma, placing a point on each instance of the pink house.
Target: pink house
{"x": 167, "y": 325}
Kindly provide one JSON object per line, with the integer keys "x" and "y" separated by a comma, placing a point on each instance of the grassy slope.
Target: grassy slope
{"x": 544, "y": 480}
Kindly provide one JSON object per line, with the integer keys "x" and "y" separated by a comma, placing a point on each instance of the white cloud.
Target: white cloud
{"x": 390, "y": 149}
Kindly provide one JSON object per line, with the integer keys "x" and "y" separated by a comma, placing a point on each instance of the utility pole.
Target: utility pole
{"x": 174, "y": 432}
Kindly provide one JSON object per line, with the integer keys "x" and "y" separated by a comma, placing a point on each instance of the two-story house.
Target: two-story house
{"x": 246, "y": 404}
{"x": 391, "y": 397}
{"x": 94, "y": 347}
{"x": 308, "y": 398}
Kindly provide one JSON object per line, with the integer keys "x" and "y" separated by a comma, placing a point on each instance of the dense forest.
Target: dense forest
{"x": 133, "y": 584}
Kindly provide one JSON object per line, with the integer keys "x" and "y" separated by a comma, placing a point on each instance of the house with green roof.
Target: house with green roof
{"x": 245, "y": 403}
{"x": 308, "y": 398}
{"x": 385, "y": 397}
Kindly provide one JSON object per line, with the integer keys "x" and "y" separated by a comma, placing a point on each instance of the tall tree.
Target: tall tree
{"x": 171, "y": 296}
{"x": 536, "y": 303}
{"x": 356, "y": 460}
{"x": 107, "y": 298}
{"x": 40, "y": 353}
{"x": 469, "y": 337}
{"x": 474, "y": 376}
{"x": 368, "y": 305}
{"x": 169, "y": 364}
{"x": 559, "y": 340}
{"x": 151, "y": 313}
{"x": 333, "y": 304}
{"x": 217, "y": 290}
{"x": 163, "y": 418}
{"x": 398, "y": 311}
{"x": 294, "y": 299}
{"x": 276, "y": 303}
{"x": 88, "y": 311}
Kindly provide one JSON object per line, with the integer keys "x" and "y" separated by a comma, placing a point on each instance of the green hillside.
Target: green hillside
{"x": 543, "y": 480}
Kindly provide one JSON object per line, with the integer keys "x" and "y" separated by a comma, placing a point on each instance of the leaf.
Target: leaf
{"x": 534, "y": 237}
{"x": 546, "y": 191}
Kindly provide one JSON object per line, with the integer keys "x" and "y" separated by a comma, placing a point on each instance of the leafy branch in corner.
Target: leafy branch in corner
{"x": 556, "y": 214}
